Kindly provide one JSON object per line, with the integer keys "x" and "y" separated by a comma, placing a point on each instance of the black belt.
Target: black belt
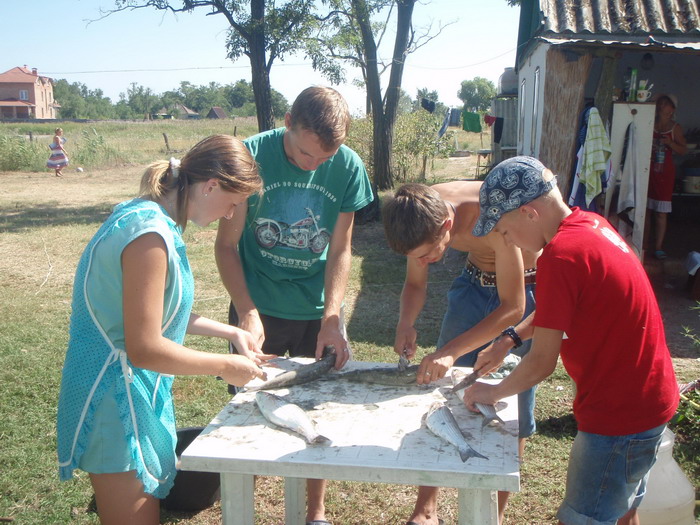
{"x": 489, "y": 278}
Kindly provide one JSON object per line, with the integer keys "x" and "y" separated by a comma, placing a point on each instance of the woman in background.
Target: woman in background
{"x": 131, "y": 309}
{"x": 668, "y": 139}
{"x": 59, "y": 157}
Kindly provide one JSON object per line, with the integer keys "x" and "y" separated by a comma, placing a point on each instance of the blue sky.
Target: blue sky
{"x": 159, "y": 49}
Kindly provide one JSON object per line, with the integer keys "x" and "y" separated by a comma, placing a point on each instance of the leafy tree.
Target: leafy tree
{"x": 352, "y": 33}
{"x": 477, "y": 93}
{"x": 262, "y": 30}
{"x": 77, "y": 101}
{"x": 142, "y": 100}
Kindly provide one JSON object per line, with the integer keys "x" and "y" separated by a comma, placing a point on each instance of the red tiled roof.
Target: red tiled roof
{"x": 15, "y": 103}
{"x": 20, "y": 74}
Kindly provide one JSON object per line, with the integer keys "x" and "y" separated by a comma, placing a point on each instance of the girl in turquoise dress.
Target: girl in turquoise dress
{"x": 131, "y": 309}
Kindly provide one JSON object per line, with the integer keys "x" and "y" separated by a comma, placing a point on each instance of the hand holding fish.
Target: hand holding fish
{"x": 331, "y": 335}
{"x": 239, "y": 370}
{"x": 480, "y": 393}
{"x": 433, "y": 367}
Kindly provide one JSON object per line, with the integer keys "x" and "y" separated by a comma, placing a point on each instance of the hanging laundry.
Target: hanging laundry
{"x": 471, "y": 121}
{"x": 428, "y": 105}
{"x": 445, "y": 123}
{"x": 593, "y": 167}
{"x": 498, "y": 130}
{"x": 627, "y": 199}
{"x": 489, "y": 120}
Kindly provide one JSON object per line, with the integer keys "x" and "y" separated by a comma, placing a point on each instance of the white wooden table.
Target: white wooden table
{"x": 377, "y": 435}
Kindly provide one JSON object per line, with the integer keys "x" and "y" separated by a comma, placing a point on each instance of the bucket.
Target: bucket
{"x": 691, "y": 184}
{"x": 669, "y": 498}
{"x": 192, "y": 490}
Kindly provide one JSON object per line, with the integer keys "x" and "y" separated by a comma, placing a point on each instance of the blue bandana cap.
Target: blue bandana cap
{"x": 512, "y": 183}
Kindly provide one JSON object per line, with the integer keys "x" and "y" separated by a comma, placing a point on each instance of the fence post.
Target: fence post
{"x": 167, "y": 146}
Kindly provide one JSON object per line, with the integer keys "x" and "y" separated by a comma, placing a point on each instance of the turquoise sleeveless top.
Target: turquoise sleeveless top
{"x": 96, "y": 361}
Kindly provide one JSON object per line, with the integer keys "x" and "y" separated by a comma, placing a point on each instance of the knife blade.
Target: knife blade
{"x": 467, "y": 381}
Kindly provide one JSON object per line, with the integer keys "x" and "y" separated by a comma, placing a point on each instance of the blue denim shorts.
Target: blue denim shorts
{"x": 106, "y": 451}
{"x": 607, "y": 476}
{"x": 468, "y": 303}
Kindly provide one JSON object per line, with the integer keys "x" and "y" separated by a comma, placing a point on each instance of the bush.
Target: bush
{"x": 17, "y": 153}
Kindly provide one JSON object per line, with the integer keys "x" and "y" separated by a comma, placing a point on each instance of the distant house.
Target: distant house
{"x": 183, "y": 111}
{"x": 216, "y": 112}
{"x": 26, "y": 94}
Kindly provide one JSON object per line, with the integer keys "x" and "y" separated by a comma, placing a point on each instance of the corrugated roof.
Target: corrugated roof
{"x": 620, "y": 17}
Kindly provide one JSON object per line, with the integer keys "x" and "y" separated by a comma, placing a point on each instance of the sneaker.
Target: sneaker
{"x": 660, "y": 255}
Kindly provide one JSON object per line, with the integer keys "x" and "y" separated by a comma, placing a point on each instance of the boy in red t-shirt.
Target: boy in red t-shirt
{"x": 626, "y": 389}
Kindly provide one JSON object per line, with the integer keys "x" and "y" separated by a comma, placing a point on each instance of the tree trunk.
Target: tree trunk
{"x": 259, "y": 69}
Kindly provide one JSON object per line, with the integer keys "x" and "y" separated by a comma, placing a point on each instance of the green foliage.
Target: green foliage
{"x": 79, "y": 102}
{"x": 477, "y": 93}
{"x": 93, "y": 150}
{"x": 18, "y": 153}
{"x": 416, "y": 142}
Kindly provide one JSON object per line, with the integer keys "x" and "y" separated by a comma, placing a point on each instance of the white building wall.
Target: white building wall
{"x": 529, "y": 113}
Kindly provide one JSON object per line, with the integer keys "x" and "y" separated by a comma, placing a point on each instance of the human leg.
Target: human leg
{"x": 120, "y": 499}
{"x": 425, "y": 509}
{"x": 315, "y": 495}
{"x": 606, "y": 477}
{"x": 660, "y": 222}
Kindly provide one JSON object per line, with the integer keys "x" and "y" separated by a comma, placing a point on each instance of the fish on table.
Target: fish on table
{"x": 288, "y": 415}
{"x": 441, "y": 422}
{"x": 460, "y": 380}
{"x": 301, "y": 375}
{"x": 380, "y": 375}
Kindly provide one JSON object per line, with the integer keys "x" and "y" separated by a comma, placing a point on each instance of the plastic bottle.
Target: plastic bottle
{"x": 633, "y": 86}
{"x": 670, "y": 498}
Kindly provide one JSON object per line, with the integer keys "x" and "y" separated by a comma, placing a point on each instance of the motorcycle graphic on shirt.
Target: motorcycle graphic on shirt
{"x": 304, "y": 233}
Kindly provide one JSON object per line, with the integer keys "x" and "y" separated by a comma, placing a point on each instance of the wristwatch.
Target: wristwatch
{"x": 510, "y": 332}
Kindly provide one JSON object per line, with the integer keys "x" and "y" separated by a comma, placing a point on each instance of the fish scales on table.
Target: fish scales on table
{"x": 288, "y": 415}
{"x": 382, "y": 375}
{"x": 299, "y": 376}
{"x": 441, "y": 422}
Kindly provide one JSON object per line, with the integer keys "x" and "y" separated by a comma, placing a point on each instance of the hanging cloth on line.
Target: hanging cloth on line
{"x": 472, "y": 121}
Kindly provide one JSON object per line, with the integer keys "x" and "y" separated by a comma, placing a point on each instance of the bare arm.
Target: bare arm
{"x": 144, "y": 267}
{"x": 536, "y": 366}
{"x": 510, "y": 285}
{"x": 413, "y": 296}
{"x": 491, "y": 358}
{"x": 230, "y": 268}
{"x": 336, "y": 279}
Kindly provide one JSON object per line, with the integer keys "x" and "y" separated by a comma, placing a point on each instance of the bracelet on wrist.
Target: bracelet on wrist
{"x": 510, "y": 332}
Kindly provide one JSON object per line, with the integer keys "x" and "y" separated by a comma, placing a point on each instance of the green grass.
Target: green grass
{"x": 45, "y": 223}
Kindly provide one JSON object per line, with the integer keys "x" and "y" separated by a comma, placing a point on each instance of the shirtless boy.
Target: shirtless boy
{"x": 494, "y": 291}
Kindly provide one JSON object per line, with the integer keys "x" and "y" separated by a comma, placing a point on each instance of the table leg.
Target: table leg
{"x": 478, "y": 507}
{"x": 294, "y": 501}
{"x": 237, "y": 503}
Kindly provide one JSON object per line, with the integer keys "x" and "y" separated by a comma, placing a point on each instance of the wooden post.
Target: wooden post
{"x": 235, "y": 130}
{"x": 31, "y": 137}
{"x": 167, "y": 146}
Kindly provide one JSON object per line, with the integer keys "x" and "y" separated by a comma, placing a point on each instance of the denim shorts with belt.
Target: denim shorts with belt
{"x": 469, "y": 300}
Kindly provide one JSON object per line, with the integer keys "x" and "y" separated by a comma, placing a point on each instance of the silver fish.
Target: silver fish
{"x": 489, "y": 413}
{"x": 383, "y": 375}
{"x": 303, "y": 374}
{"x": 288, "y": 415}
{"x": 442, "y": 423}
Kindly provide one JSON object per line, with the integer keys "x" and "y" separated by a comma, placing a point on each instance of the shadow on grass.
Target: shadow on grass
{"x": 16, "y": 218}
{"x": 558, "y": 427}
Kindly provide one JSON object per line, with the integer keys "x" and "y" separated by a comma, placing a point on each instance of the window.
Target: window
{"x": 23, "y": 94}
{"x": 535, "y": 110}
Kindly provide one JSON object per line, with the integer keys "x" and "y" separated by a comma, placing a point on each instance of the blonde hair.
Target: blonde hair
{"x": 413, "y": 216}
{"x": 58, "y": 130}
{"x": 323, "y": 111}
{"x": 220, "y": 157}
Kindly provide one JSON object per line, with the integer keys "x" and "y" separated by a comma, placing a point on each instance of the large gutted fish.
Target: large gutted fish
{"x": 288, "y": 415}
{"x": 301, "y": 375}
{"x": 382, "y": 375}
{"x": 489, "y": 413}
{"x": 442, "y": 423}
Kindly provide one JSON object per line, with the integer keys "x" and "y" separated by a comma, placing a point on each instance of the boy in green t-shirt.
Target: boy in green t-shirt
{"x": 292, "y": 243}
